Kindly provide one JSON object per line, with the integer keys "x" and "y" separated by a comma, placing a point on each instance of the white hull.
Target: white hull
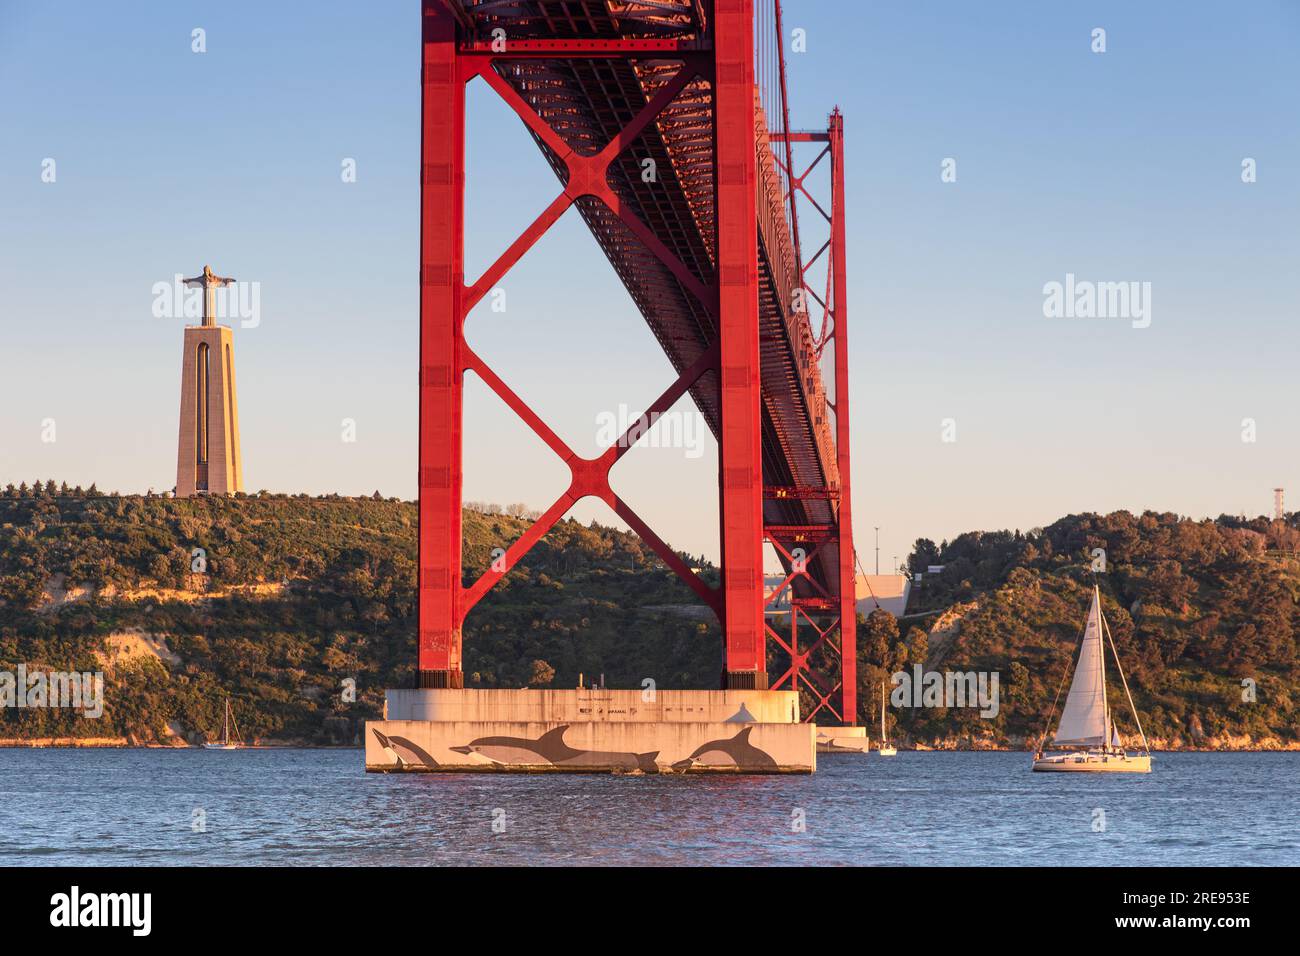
{"x": 221, "y": 747}
{"x": 1093, "y": 763}
{"x": 888, "y": 752}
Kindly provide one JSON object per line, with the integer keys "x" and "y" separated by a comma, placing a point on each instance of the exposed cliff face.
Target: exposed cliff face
{"x": 945, "y": 630}
{"x": 134, "y": 645}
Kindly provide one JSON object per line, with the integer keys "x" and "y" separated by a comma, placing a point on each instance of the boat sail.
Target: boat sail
{"x": 886, "y": 749}
{"x": 226, "y": 743}
{"x": 1086, "y": 719}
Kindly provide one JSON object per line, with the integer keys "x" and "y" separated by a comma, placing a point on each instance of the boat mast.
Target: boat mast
{"x": 1120, "y": 667}
{"x": 1101, "y": 663}
{"x": 225, "y": 726}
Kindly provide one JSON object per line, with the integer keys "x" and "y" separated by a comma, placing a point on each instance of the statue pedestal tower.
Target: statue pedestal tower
{"x": 208, "y": 459}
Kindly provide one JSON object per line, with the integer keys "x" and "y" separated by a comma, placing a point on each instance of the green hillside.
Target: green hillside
{"x": 302, "y": 597}
{"x": 1196, "y": 609}
{"x": 301, "y": 593}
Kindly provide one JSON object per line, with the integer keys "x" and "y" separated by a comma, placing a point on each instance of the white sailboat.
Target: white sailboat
{"x": 1087, "y": 730}
{"x": 226, "y": 743}
{"x": 886, "y": 749}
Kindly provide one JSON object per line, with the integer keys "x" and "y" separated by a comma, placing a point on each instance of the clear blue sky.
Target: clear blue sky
{"x": 1117, "y": 166}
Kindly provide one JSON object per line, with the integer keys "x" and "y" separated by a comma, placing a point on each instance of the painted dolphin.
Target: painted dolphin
{"x": 403, "y": 751}
{"x": 736, "y": 751}
{"x": 551, "y": 748}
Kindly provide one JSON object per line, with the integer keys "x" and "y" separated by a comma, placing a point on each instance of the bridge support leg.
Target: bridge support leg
{"x": 442, "y": 230}
{"x": 740, "y": 462}
{"x": 848, "y": 612}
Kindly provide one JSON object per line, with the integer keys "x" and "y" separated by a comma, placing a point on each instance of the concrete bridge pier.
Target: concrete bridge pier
{"x": 431, "y": 730}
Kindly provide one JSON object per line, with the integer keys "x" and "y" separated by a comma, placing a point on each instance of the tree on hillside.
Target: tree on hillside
{"x": 924, "y": 553}
{"x": 542, "y": 674}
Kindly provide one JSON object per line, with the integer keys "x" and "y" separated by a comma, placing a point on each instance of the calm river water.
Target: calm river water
{"x": 317, "y": 807}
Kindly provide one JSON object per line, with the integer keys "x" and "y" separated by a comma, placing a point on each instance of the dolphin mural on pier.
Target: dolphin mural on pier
{"x": 736, "y": 751}
{"x": 550, "y": 748}
{"x": 404, "y": 752}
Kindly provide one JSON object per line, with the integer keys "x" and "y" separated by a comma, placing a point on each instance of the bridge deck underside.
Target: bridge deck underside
{"x": 587, "y": 101}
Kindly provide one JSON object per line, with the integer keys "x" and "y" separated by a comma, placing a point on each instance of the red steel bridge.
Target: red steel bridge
{"x": 666, "y": 123}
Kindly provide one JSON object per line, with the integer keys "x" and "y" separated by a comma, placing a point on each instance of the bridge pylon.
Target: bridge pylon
{"x": 708, "y": 251}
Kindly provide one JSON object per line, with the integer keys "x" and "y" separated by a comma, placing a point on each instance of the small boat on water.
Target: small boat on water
{"x": 886, "y": 748}
{"x": 1087, "y": 733}
{"x": 226, "y": 743}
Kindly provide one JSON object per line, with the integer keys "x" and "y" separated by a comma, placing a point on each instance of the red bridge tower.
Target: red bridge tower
{"x": 709, "y": 252}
